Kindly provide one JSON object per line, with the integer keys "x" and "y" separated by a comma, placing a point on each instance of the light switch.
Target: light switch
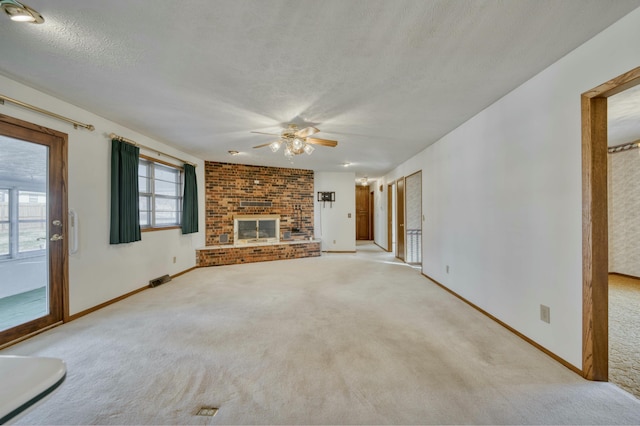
{"x": 349, "y": 215}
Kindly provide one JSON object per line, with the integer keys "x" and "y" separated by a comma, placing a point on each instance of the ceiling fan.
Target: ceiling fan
{"x": 296, "y": 141}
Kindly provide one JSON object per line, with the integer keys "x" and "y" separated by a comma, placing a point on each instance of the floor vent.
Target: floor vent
{"x": 160, "y": 280}
{"x": 207, "y": 411}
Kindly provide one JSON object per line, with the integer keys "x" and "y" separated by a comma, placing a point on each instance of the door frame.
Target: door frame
{"x": 372, "y": 207}
{"x": 389, "y": 217}
{"x": 57, "y": 207}
{"x": 405, "y": 210}
{"x": 595, "y": 234}
{"x": 404, "y": 219}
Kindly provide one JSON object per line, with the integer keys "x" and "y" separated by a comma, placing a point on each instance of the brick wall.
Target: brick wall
{"x": 235, "y": 255}
{"x": 227, "y": 185}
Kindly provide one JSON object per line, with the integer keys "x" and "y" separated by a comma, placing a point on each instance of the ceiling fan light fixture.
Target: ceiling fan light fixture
{"x": 308, "y": 149}
{"x": 20, "y": 12}
{"x": 297, "y": 144}
{"x": 288, "y": 152}
{"x": 275, "y": 146}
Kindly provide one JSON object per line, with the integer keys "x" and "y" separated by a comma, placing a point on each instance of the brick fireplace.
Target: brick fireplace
{"x": 235, "y": 190}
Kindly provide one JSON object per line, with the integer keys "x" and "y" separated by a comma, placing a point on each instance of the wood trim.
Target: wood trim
{"x": 105, "y": 304}
{"x": 616, "y": 85}
{"x": 595, "y": 303}
{"x": 160, "y": 228}
{"x": 57, "y": 143}
{"x": 340, "y": 251}
{"x": 511, "y": 329}
{"x": 119, "y": 298}
{"x": 389, "y": 217}
{"x": 184, "y": 272}
{"x": 26, "y": 336}
{"x": 594, "y": 240}
{"x": 401, "y": 207}
{"x": 624, "y": 275}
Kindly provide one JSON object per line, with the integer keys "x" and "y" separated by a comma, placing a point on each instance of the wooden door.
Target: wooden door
{"x": 362, "y": 213}
{"x": 33, "y": 228}
{"x": 400, "y": 219}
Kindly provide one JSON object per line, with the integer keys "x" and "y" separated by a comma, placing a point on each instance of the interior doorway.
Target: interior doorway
{"x": 623, "y": 199}
{"x": 33, "y": 209}
{"x": 413, "y": 214}
{"x": 400, "y": 219}
{"x": 595, "y": 265}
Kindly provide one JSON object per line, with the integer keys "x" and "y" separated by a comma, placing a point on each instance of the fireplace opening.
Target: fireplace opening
{"x": 256, "y": 229}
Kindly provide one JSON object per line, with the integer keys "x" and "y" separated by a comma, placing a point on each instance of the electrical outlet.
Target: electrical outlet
{"x": 334, "y": 241}
{"x": 447, "y": 269}
{"x": 174, "y": 259}
{"x": 545, "y": 314}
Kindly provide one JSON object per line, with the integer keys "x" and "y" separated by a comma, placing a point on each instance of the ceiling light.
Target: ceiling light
{"x": 20, "y": 12}
{"x": 297, "y": 144}
{"x": 275, "y": 145}
{"x": 288, "y": 152}
{"x": 232, "y": 152}
{"x": 347, "y": 164}
{"x": 308, "y": 149}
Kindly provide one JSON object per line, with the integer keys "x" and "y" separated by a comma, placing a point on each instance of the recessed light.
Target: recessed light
{"x": 233, "y": 152}
{"x": 20, "y": 12}
{"x": 347, "y": 164}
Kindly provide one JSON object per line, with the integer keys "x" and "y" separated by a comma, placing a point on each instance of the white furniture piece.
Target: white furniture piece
{"x": 25, "y": 380}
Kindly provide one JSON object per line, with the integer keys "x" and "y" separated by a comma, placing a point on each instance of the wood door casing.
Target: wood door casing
{"x": 57, "y": 210}
{"x": 595, "y": 237}
{"x": 400, "y": 219}
{"x": 371, "y": 210}
{"x": 389, "y": 217}
{"x": 362, "y": 212}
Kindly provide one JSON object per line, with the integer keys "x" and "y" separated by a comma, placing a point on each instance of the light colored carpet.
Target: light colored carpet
{"x": 337, "y": 339}
{"x": 624, "y": 333}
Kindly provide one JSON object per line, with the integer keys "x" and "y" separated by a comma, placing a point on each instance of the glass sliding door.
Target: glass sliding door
{"x": 33, "y": 260}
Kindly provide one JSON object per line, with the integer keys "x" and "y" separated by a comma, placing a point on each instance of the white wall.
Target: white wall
{"x": 332, "y": 222}
{"x": 100, "y": 271}
{"x": 624, "y": 204}
{"x": 502, "y": 196}
{"x": 380, "y": 213}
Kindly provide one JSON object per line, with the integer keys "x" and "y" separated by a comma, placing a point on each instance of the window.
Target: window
{"x": 4, "y": 222}
{"x": 23, "y": 219}
{"x": 160, "y": 188}
{"x": 32, "y": 221}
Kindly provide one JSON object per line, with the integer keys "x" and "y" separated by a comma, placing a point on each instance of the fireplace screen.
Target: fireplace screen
{"x": 253, "y": 229}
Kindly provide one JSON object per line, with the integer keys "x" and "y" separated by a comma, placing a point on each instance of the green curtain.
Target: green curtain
{"x": 190, "y": 201}
{"x": 125, "y": 215}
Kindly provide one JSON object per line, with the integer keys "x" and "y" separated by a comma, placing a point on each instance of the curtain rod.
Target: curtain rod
{"x": 75, "y": 123}
{"x": 624, "y": 147}
{"x": 123, "y": 139}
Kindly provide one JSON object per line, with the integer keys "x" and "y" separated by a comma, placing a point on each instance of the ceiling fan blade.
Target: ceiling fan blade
{"x": 323, "y": 142}
{"x": 270, "y": 134}
{"x": 307, "y": 131}
{"x": 263, "y": 145}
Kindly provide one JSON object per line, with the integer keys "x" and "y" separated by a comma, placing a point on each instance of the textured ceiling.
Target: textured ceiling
{"x": 384, "y": 78}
